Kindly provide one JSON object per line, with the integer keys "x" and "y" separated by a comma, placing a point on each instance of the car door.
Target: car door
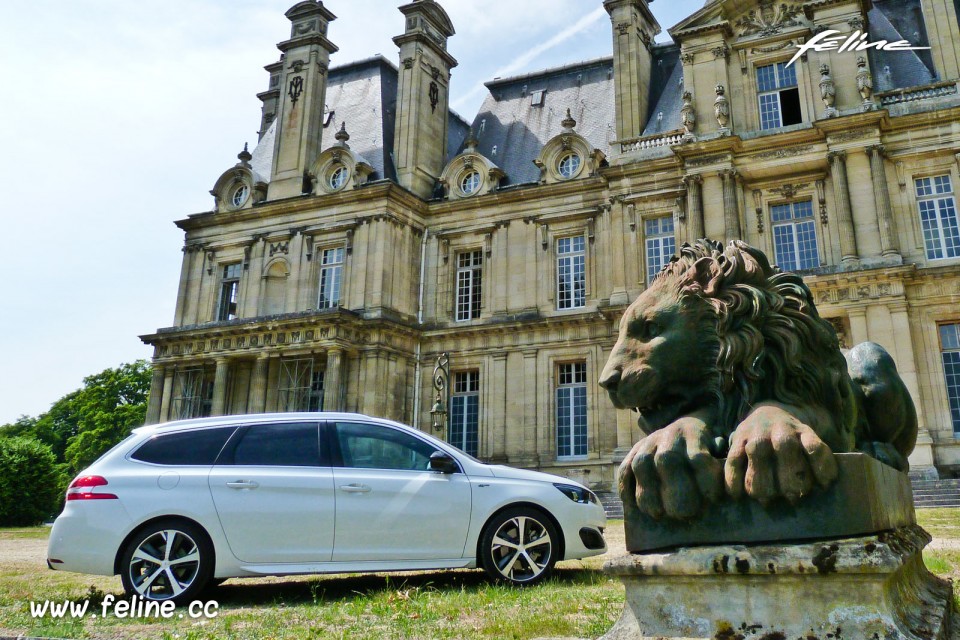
{"x": 390, "y": 505}
{"x": 273, "y": 491}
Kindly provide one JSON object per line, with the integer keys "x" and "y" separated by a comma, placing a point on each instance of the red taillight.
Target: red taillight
{"x": 82, "y": 489}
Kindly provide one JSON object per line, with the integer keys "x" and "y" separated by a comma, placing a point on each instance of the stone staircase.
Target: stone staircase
{"x": 926, "y": 493}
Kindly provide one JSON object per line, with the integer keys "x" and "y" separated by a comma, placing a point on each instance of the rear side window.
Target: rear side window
{"x": 198, "y": 448}
{"x": 277, "y": 445}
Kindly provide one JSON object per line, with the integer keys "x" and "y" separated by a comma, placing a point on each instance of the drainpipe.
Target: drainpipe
{"x": 416, "y": 377}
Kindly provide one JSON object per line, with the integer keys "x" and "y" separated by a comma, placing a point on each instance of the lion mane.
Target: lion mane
{"x": 770, "y": 342}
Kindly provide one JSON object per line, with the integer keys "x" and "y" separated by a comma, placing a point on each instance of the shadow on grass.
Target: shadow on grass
{"x": 342, "y": 588}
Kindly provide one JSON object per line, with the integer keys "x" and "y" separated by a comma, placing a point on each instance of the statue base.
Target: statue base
{"x": 868, "y": 496}
{"x": 864, "y": 588}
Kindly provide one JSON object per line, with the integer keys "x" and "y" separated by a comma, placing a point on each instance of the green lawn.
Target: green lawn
{"x": 578, "y": 601}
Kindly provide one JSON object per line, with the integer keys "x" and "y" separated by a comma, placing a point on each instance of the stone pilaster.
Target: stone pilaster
{"x": 695, "y": 224}
{"x": 888, "y": 232}
{"x": 167, "y": 394}
{"x": 634, "y": 30}
{"x": 220, "y": 387}
{"x": 156, "y": 395}
{"x": 258, "y": 385}
{"x": 841, "y": 191}
{"x": 731, "y": 208}
{"x": 331, "y": 380}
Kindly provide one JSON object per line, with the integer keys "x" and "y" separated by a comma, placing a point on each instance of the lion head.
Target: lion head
{"x": 718, "y": 331}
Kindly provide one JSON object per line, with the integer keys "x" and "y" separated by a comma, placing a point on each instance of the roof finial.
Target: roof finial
{"x": 244, "y": 156}
{"x": 568, "y": 123}
{"x": 342, "y": 135}
{"x": 471, "y": 142}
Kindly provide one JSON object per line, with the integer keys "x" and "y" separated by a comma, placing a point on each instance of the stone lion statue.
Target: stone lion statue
{"x": 724, "y": 356}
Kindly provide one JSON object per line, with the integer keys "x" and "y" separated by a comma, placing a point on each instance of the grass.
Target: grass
{"x": 578, "y": 601}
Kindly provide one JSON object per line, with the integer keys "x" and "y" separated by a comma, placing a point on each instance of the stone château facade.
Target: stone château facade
{"x": 373, "y": 229}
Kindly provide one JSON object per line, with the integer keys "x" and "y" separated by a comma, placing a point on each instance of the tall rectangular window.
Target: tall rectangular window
{"x": 192, "y": 394}
{"x": 301, "y": 386}
{"x": 795, "y": 236}
{"x": 779, "y": 96}
{"x": 469, "y": 285}
{"x": 572, "y": 410}
{"x": 661, "y": 245}
{"x": 938, "y": 215}
{"x": 463, "y": 431}
{"x": 950, "y": 352}
{"x": 331, "y": 273}
{"x": 571, "y": 272}
{"x": 229, "y": 291}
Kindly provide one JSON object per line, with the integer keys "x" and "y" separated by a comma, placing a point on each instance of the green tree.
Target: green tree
{"x": 31, "y": 482}
{"x": 103, "y": 412}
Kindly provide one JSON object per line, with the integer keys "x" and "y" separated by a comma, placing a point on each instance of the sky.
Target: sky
{"x": 119, "y": 116}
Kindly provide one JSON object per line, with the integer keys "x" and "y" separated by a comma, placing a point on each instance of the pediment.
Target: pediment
{"x": 744, "y": 18}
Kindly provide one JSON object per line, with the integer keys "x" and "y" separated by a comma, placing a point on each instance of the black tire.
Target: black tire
{"x": 519, "y": 546}
{"x": 175, "y": 562}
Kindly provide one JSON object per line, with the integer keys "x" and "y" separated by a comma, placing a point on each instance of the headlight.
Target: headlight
{"x": 577, "y": 494}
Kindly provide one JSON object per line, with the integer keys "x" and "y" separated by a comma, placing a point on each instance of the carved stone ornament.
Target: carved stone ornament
{"x": 828, "y": 92}
{"x": 757, "y": 396}
{"x": 865, "y": 83}
{"x": 687, "y": 58}
{"x": 770, "y": 18}
{"x": 721, "y": 108}
{"x": 623, "y": 28}
{"x": 688, "y": 115}
{"x": 723, "y": 51}
{"x": 789, "y": 191}
{"x": 758, "y": 204}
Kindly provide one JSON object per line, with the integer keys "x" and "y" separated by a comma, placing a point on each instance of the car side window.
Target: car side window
{"x": 198, "y": 447}
{"x": 367, "y": 446}
{"x": 294, "y": 444}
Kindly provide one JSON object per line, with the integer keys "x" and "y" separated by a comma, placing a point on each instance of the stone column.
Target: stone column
{"x": 695, "y": 225}
{"x": 258, "y": 385}
{"x": 185, "y": 269}
{"x": 888, "y": 232}
{"x": 331, "y": 380}
{"x": 220, "y": 388}
{"x": 841, "y": 191}
{"x": 156, "y": 395}
{"x": 167, "y": 394}
{"x": 731, "y": 209}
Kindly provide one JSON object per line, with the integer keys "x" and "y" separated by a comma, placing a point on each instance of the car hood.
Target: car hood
{"x": 500, "y": 471}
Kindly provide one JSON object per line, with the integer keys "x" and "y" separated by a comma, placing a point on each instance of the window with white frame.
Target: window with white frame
{"x": 795, "y": 236}
{"x": 331, "y": 274}
{"x": 779, "y": 96}
{"x": 661, "y": 244}
{"x": 571, "y": 272}
{"x": 229, "y": 291}
{"x": 192, "y": 393}
{"x": 301, "y": 385}
{"x": 938, "y": 216}
{"x": 572, "y": 410}
{"x": 463, "y": 430}
{"x": 469, "y": 285}
{"x": 950, "y": 352}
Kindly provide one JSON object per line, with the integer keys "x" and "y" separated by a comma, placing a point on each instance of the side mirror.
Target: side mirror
{"x": 443, "y": 462}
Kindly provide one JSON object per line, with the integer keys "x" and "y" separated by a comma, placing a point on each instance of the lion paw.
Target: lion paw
{"x": 773, "y": 454}
{"x": 672, "y": 472}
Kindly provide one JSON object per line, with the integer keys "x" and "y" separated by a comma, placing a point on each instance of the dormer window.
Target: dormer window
{"x": 779, "y": 96}
{"x": 569, "y": 165}
{"x": 338, "y": 178}
{"x": 240, "y": 195}
{"x": 469, "y": 182}
{"x": 536, "y": 98}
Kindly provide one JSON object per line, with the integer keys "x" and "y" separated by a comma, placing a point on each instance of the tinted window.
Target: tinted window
{"x": 365, "y": 446}
{"x": 278, "y": 445}
{"x": 199, "y": 447}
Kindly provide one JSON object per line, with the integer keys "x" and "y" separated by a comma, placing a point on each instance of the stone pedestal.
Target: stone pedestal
{"x": 866, "y": 588}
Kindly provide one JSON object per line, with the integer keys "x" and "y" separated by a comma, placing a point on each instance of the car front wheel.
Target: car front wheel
{"x": 168, "y": 560}
{"x": 519, "y": 546}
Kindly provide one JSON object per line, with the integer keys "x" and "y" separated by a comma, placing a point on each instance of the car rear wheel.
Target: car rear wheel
{"x": 168, "y": 560}
{"x": 519, "y": 546}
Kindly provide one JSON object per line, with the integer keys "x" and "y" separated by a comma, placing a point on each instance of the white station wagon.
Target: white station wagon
{"x": 177, "y": 506}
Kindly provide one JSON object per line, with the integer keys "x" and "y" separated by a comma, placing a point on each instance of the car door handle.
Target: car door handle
{"x": 355, "y": 488}
{"x": 243, "y": 484}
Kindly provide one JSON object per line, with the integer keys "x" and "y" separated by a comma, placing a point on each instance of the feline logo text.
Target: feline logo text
{"x": 832, "y": 40}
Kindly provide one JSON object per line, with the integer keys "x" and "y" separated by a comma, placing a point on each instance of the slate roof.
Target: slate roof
{"x": 894, "y": 20}
{"x": 511, "y": 131}
{"x": 666, "y": 90}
